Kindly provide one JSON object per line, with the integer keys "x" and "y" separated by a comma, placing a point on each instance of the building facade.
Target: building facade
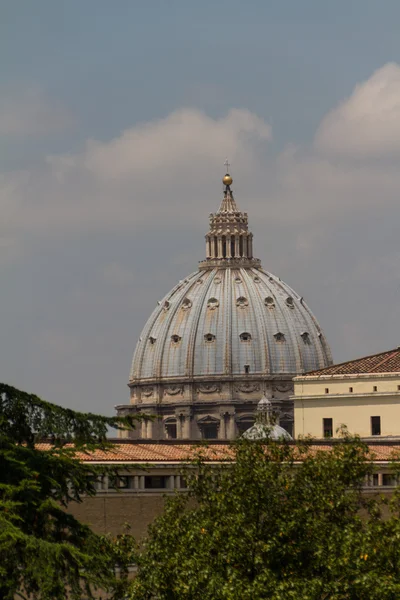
{"x": 149, "y": 472}
{"x": 221, "y": 339}
{"x": 362, "y": 394}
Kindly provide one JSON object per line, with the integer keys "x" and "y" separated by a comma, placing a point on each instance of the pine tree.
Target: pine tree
{"x": 45, "y": 553}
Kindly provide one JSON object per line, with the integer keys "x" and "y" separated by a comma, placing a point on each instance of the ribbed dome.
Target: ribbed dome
{"x": 228, "y": 322}
{"x": 224, "y": 337}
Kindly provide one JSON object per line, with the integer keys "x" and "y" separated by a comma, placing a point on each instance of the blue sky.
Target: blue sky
{"x": 115, "y": 120}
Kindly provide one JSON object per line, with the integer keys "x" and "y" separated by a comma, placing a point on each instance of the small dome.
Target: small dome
{"x": 261, "y": 432}
{"x": 264, "y": 427}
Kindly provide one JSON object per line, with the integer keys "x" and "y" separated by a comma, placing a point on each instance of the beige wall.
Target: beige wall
{"x": 351, "y": 408}
{"x": 109, "y": 513}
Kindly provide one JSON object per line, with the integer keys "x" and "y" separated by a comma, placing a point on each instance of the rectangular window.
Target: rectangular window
{"x": 326, "y": 390}
{"x": 120, "y": 481}
{"x": 327, "y": 425}
{"x": 375, "y": 426}
{"x": 170, "y": 429}
{"x": 388, "y": 479}
{"x": 247, "y": 369}
{"x": 398, "y": 388}
{"x": 350, "y": 389}
{"x": 375, "y": 388}
{"x": 155, "y": 482}
{"x": 375, "y": 480}
{"x": 210, "y": 432}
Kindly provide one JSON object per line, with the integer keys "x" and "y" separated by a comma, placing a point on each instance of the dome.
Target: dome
{"x": 221, "y": 339}
{"x": 264, "y": 427}
{"x": 226, "y": 322}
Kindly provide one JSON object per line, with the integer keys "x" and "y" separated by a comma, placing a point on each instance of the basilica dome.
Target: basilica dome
{"x": 229, "y": 322}
{"x": 222, "y": 338}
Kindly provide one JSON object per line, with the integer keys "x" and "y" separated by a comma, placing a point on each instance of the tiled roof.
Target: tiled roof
{"x": 152, "y": 453}
{"x": 384, "y": 362}
{"x": 134, "y": 452}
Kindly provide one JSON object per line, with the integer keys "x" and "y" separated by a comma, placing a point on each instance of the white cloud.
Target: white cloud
{"x": 149, "y": 171}
{"x": 367, "y": 124}
{"x": 28, "y": 111}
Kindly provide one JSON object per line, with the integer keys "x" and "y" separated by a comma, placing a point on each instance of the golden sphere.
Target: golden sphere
{"x": 227, "y": 180}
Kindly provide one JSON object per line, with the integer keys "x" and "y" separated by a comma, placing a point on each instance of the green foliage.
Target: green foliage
{"x": 271, "y": 526}
{"x": 45, "y": 553}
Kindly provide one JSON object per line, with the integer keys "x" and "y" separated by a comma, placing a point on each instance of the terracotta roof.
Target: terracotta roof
{"x": 384, "y": 362}
{"x": 158, "y": 453}
{"x": 134, "y": 452}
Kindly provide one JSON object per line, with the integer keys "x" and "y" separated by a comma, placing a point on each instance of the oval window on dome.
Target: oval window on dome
{"x": 245, "y": 336}
{"x": 175, "y": 339}
{"x": 166, "y": 305}
{"x": 199, "y": 281}
{"x": 186, "y": 304}
{"x": 242, "y": 302}
{"x": 279, "y": 337}
{"x": 290, "y": 302}
{"x": 212, "y": 303}
{"x": 257, "y": 279}
{"x": 269, "y": 301}
{"x": 152, "y": 340}
{"x": 217, "y": 280}
{"x": 238, "y": 280}
{"x": 305, "y": 337}
{"x": 209, "y": 337}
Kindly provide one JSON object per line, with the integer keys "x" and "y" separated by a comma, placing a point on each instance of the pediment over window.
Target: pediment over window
{"x": 208, "y": 419}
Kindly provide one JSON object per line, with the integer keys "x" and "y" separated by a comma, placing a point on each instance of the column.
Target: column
{"x": 237, "y": 247}
{"x": 231, "y": 429}
{"x": 219, "y": 247}
{"x": 245, "y": 246}
{"x": 177, "y": 482}
{"x": 186, "y": 428}
{"x": 208, "y": 253}
{"x": 228, "y": 246}
{"x": 250, "y": 246}
{"x": 135, "y": 482}
{"x": 143, "y": 430}
{"x": 141, "y": 482}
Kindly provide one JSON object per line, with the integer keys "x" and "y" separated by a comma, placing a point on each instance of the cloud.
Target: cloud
{"x": 367, "y": 124}
{"x": 147, "y": 172}
{"x": 28, "y": 111}
{"x": 108, "y": 230}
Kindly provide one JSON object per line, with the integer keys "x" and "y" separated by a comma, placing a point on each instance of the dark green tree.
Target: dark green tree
{"x": 281, "y": 522}
{"x": 45, "y": 553}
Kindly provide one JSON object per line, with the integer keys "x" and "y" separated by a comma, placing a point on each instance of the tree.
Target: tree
{"x": 45, "y": 553}
{"x": 278, "y": 522}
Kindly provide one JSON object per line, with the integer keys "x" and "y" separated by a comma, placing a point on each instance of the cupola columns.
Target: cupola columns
{"x": 229, "y": 239}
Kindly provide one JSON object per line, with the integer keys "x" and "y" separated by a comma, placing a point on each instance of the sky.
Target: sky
{"x": 115, "y": 121}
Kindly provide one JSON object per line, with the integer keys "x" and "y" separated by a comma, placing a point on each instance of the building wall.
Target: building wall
{"x": 349, "y": 400}
{"x": 110, "y": 512}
